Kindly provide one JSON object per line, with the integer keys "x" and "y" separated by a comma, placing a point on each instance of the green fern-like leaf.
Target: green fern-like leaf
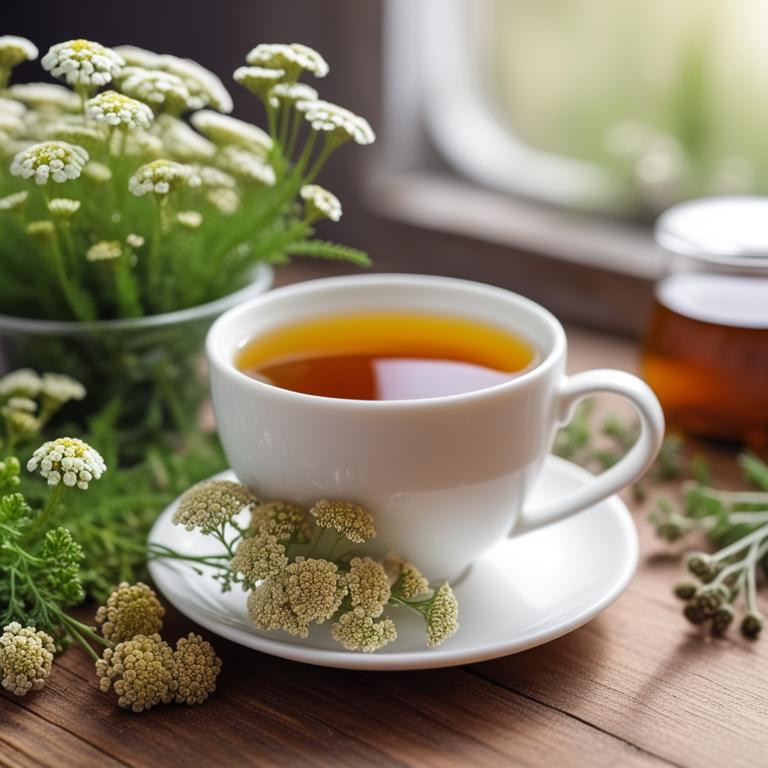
{"x": 326, "y": 250}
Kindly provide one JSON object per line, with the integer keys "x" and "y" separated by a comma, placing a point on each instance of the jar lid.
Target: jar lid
{"x": 730, "y": 231}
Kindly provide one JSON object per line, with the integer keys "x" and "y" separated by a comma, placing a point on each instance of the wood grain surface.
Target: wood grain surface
{"x": 637, "y": 686}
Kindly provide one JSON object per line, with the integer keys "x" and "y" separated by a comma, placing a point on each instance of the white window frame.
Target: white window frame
{"x": 492, "y": 187}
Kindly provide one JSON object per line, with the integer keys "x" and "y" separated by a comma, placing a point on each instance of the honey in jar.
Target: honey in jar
{"x": 705, "y": 353}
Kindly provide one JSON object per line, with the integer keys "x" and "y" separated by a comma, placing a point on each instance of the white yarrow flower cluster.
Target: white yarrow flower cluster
{"x": 69, "y": 461}
{"x": 248, "y": 165}
{"x": 223, "y": 129}
{"x": 14, "y": 50}
{"x": 189, "y": 219}
{"x": 118, "y": 110}
{"x": 321, "y": 203}
{"x": 104, "y": 250}
{"x": 63, "y": 207}
{"x": 205, "y": 88}
{"x": 162, "y": 90}
{"x": 14, "y": 202}
{"x": 45, "y": 96}
{"x": 61, "y": 388}
{"x": 83, "y": 63}
{"x": 258, "y": 80}
{"x": 292, "y": 57}
{"x": 55, "y": 160}
{"x": 162, "y": 177}
{"x": 184, "y": 143}
{"x": 342, "y": 124}
{"x": 291, "y": 93}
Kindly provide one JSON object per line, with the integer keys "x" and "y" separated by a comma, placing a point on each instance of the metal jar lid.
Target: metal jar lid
{"x": 731, "y": 232}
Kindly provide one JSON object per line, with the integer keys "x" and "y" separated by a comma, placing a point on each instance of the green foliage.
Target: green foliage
{"x": 159, "y": 215}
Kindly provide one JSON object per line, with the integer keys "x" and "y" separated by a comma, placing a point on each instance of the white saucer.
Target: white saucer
{"x": 522, "y": 593}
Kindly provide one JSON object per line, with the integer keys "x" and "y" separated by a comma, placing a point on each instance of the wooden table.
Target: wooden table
{"x": 637, "y": 686}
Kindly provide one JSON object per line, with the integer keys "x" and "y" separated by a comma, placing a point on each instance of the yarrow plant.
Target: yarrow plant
{"x": 41, "y": 574}
{"x": 300, "y": 567}
{"x": 156, "y": 132}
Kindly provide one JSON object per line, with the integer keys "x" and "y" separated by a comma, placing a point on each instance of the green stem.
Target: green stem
{"x": 741, "y": 544}
{"x": 43, "y": 518}
{"x": 730, "y": 497}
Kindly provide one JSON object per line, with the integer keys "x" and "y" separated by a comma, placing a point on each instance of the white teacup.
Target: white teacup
{"x": 445, "y": 477}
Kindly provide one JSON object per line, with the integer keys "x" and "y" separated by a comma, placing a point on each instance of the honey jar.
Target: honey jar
{"x": 705, "y": 352}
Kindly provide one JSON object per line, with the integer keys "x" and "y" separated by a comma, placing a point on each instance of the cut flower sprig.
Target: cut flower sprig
{"x": 301, "y": 568}
{"x": 140, "y": 147}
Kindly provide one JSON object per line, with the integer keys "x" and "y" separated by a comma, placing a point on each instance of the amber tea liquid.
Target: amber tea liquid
{"x": 385, "y": 356}
{"x": 706, "y": 355}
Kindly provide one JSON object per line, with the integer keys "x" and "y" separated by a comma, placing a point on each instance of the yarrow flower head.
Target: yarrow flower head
{"x": 195, "y": 669}
{"x": 442, "y": 616}
{"x": 258, "y": 80}
{"x": 205, "y": 88}
{"x": 279, "y": 519}
{"x": 290, "y": 93}
{"x": 61, "y": 388}
{"x": 118, "y": 110}
{"x": 320, "y": 203}
{"x": 189, "y": 219}
{"x": 26, "y": 656}
{"x": 184, "y": 143}
{"x": 63, "y": 207}
{"x": 247, "y": 165}
{"x": 14, "y": 202}
{"x": 294, "y": 58}
{"x": 223, "y": 129}
{"x": 42, "y": 230}
{"x": 162, "y": 177}
{"x": 132, "y": 609}
{"x": 163, "y": 91}
{"x": 23, "y": 382}
{"x": 67, "y": 460}
{"x": 55, "y": 160}
{"x": 368, "y": 585}
{"x": 104, "y": 250}
{"x": 46, "y": 97}
{"x": 340, "y": 124}
{"x": 358, "y": 631}
{"x": 140, "y": 670}
{"x": 259, "y": 557}
{"x": 97, "y": 172}
{"x": 14, "y": 50}
{"x": 211, "y": 504}
{"x": 406, "y": 579}
{"x": 350, "y": 520}
{"x": 83, "y": 63}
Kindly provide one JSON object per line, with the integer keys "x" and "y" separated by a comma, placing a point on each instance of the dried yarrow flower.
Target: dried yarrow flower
{"x": 26, "y": 656}
{"x": 279, "y": 519}
{"x": 132, "y": 609}
{"x": 320, "y": 203}
{"x": 67, "y": 460}
{"x": 259, "y": 557}
{"x": 140, "y": 670}
{"x": 350, "y": 520}
{"x": 195, "y": 669}
{"x": 442, "y": 616}
{"x": 162, "y": 177}
{"x": 56, "y": 160}
{"x": 358, "y": 631}
{"x": 211, "y": 504}
{"x": 118, "y": 110}
{"x": 83, "y": 63}
{"x": 368, "y": 585}
{"x": 314, "y": 589}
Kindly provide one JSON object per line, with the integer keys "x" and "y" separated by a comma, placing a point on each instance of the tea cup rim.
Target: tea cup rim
{"x": 220, "y": 346}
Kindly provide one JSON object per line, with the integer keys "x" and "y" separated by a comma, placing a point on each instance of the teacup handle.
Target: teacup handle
{"x": 626, "y": 471}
